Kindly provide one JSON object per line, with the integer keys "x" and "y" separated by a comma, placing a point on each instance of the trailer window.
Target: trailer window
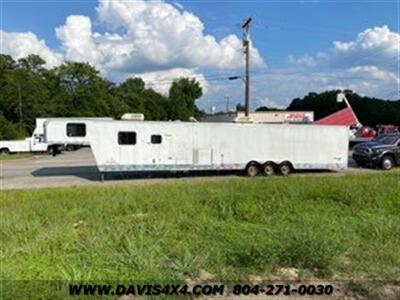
{"x": 156, "y": 139}
{"x": 76, "y": 129}
{"x": 127, "y": 138}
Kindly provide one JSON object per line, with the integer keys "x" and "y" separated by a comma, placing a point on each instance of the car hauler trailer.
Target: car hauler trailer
{"x": 120, "y": 146}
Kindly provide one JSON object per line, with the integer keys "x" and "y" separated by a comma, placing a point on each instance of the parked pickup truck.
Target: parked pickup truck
{"x": 383, "y": 152}
{"x": 32, "y": 144}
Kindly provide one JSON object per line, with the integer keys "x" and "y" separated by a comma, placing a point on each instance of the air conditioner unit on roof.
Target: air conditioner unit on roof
{"x": 133, "y": 116}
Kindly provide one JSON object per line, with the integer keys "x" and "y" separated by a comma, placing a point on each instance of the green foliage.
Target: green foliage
{"x": 370, "y": 111}
{"x": 23, "y": 93}
{"x": 83, "y": 92}
{"x": 182, "y": 96}
{"x": 309, "y": 249}
{"x": 29, "y": 91}
{"x": 134, "y": 97}
{"x": 9, "y": 131}
{"x": 240, "y": 107}
{"x": 32, "y": 63}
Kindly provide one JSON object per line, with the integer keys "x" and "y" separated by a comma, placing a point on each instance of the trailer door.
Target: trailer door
{"x": 178, "y": 146}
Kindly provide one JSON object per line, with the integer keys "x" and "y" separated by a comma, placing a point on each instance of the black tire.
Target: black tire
{"x": 252, "y": 169}
{"x": 268, "y": 169}
{"x": 387, "y": 163}
{"x": 70, "y": 148}
{"x": 285, "y": 168}
{"x": 5, "y": 151}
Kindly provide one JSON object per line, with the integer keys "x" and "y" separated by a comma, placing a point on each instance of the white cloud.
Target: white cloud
{"x": 368, "y": 65}
{"x": 161, "y": 80}
{"x": 269, "y": 103}
{"x": 284, "y": 85}
{"x": 155, "y": 40}
{"x": 18, "y": 45}
{"x": 371, "y": 38}
{"x": 143, "y": 36}
{"x": 77, "y": 40}
{"x": 373, "y": 72}
{"x": 160, "y": 36}
{"x": 378, "y": 46}
{"x": 306, "y": 61}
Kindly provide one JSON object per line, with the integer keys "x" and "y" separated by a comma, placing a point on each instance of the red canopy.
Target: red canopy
{"x": 344, "y": 117}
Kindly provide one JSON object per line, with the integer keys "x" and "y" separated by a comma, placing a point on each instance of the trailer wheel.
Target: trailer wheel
{"x": 268, "y": 169}
{"x": 252, "y": 169}
{"x": 5, "y": 151}
{"x": 387, "y": 162}
{"x": 285, "y": 168}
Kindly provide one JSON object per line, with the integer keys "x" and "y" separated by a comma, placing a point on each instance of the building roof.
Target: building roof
{"x": 344, "y": 117}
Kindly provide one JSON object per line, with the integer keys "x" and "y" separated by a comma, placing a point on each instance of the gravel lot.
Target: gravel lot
{"x": 79, "y": 168}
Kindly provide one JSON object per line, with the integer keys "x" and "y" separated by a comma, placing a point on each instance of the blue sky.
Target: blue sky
{"x": 293, "y": 39}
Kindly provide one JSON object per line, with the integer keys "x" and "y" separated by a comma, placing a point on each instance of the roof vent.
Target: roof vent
{"x": 133, "y": 117}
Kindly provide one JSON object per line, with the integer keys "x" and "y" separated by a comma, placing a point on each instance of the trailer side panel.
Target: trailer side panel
{"x": 213, "y": 146}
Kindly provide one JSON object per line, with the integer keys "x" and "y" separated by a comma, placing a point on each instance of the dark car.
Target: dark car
{"x": 383, "y": 151}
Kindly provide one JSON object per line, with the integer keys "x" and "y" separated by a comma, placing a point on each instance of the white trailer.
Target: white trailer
{"x": 178, "y": 146}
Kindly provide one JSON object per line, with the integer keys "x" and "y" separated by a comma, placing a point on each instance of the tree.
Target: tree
{"x": 240, "y": 107}
{"x": 23, "y": 92}
{"x": 81, "y": 91}
{"x": 33, "y": 63}
{"x": 129, "y": 96}
{"x": 9, "y": 131}
{"x": 182, "y": 97}
{"x": 155, "y": 105}
{"x": 6, "y": 63}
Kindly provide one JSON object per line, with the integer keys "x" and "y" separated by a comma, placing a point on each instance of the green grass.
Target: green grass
{"x": 15, "y": 156}
{"x": 329, "y": 227}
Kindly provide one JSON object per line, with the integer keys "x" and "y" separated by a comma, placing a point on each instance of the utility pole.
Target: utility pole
{"x": 227, "y": 103}
{"x": 20, "y": 106}
{"x": 246, "y": 44}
